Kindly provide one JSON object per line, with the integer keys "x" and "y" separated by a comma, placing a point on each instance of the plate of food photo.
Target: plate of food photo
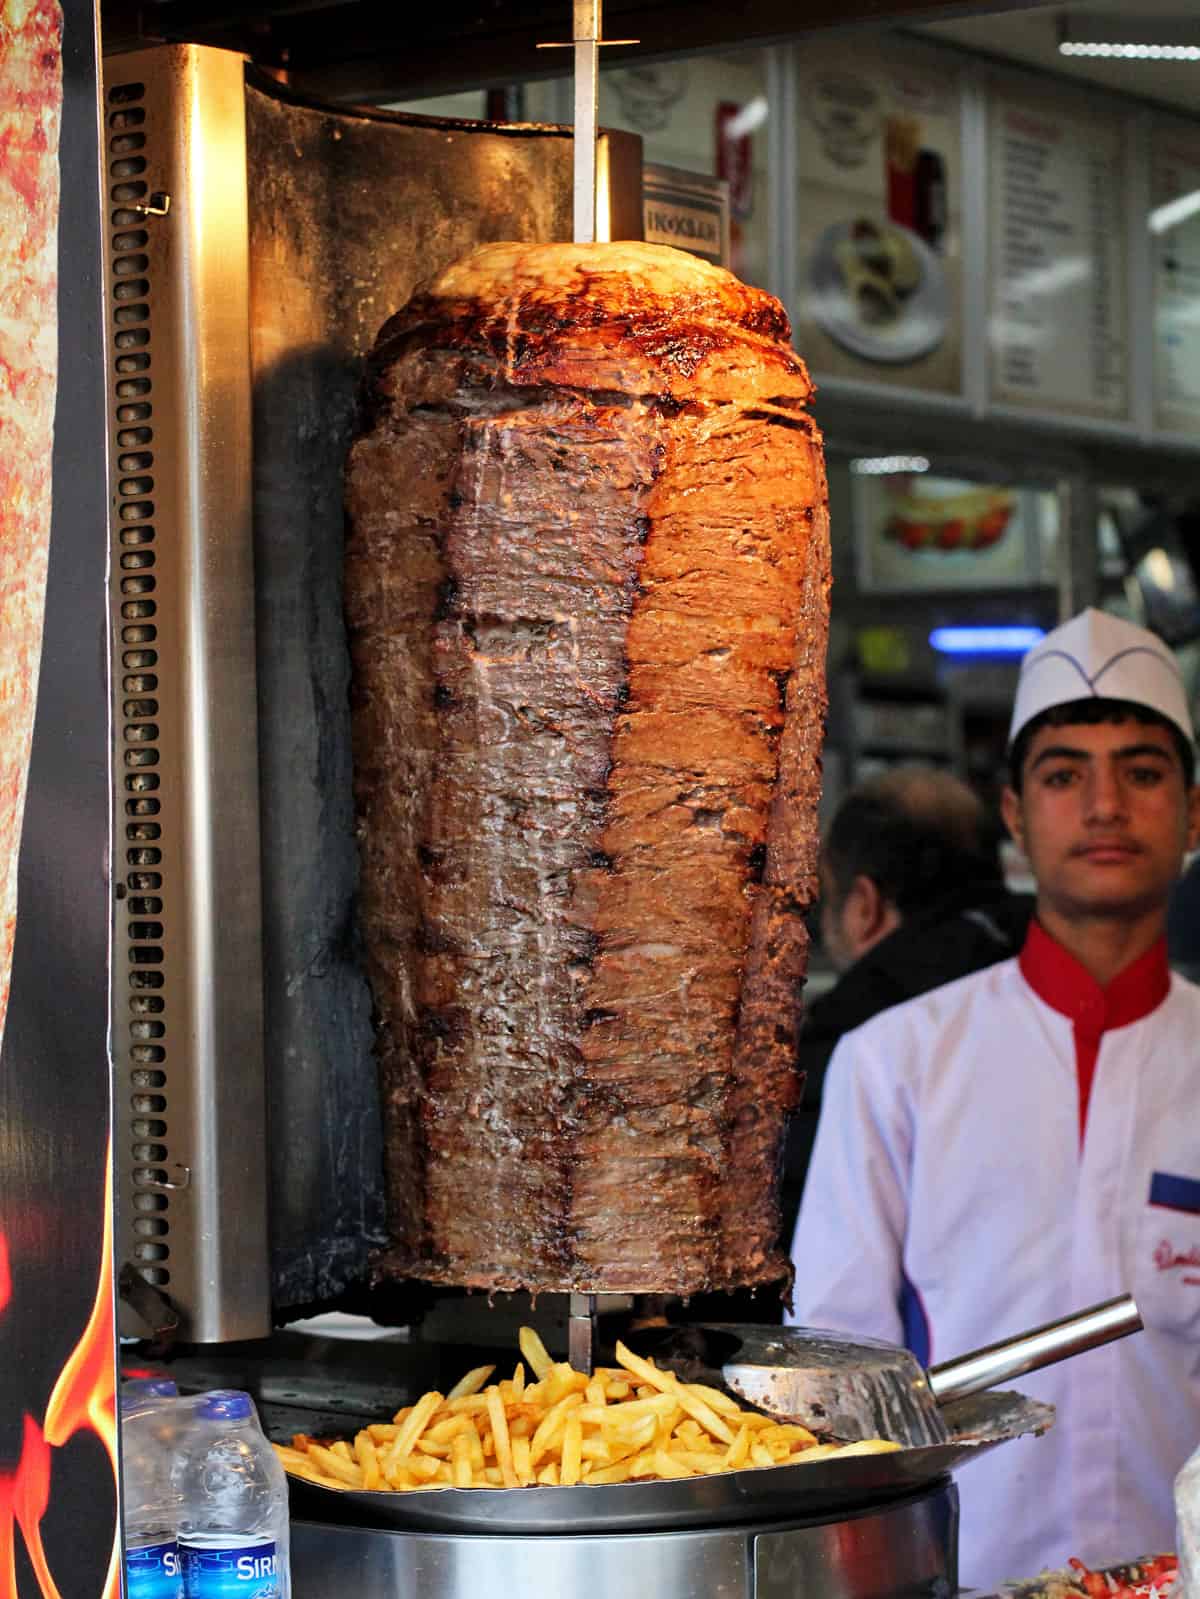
{"x": 878, "y": 290}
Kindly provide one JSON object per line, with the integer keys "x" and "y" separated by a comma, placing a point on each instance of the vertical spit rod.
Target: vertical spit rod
{"x": 587, "y": 36}
{"x": 581, "y": 1333}
{"x": 587, "y": 58}
{"x": 586, "y": 42}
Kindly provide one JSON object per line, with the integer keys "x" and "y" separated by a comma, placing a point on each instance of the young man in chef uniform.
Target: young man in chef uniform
{"x": 1025, "y": 1142}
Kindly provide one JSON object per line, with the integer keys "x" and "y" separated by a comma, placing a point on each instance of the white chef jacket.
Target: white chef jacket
{"x": 969, "y": 1182}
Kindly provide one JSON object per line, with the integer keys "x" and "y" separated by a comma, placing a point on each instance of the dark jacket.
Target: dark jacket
{"x": 977, "y": 927}
{"x": 1183, "y": 924}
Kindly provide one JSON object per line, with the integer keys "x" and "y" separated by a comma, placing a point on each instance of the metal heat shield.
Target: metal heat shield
{"x": 268, "y": 239}
{"x": 349, "y": 211}
{"x": 187, "y": 1035}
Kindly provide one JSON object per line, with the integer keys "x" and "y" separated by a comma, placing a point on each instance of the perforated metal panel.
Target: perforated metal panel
{"x": 143, "y": 1024}
{"x": 187, "y": 1005}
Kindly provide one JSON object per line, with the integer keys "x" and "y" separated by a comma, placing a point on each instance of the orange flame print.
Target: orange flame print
{"x": 83, "y": 1399}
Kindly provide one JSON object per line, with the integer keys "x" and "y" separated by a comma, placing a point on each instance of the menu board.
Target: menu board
{"x": 876, "y": 294}
{"x": 1175, "y": 234}
{"x": 1058, "y": 309}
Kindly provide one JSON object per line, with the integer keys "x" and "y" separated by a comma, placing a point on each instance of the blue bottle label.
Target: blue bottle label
{"x": 153, "y": 1572}
{"x": 248, "y": 1571}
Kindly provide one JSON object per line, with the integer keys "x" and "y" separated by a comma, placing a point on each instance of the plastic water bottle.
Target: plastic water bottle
{"x": 150, "y": 1504}
{"x": 1187, "y": 1514}
{"x": 233, "y": 1503}
{"x": 136, "y": 1390}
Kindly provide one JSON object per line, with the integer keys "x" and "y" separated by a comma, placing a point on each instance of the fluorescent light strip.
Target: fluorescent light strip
{"x": 985, "y": 640}
{"x": 1165, "y": 217}
{"x": 752, "y": 115}
{"x": 1131, "y": 52}
{"x": 888, "y": 465}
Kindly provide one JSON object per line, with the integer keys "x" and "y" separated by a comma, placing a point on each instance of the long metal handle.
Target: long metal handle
{"x": 1013, "y": 1357}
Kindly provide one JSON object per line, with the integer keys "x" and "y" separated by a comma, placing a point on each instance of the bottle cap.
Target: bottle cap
{"x": 225, "y": 1404}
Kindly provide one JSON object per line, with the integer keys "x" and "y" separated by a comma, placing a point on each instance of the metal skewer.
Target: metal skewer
{"x": 587, "y": 93}
{"x": 587, "y": 43}
{"x": 581, "y": 1333}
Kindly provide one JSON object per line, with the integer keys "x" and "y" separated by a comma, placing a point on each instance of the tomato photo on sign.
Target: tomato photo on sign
{"x": 913, "y": 535}
{"x": 992, "y": 524}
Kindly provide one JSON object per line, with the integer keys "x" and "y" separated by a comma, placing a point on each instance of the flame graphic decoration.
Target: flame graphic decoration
{"x": 83, "y": 1399}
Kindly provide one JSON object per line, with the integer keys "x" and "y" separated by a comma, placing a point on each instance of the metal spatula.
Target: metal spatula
{"x": 851, "y": 1388}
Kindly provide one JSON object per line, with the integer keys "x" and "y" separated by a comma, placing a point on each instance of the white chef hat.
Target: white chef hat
{"x": 1101, "y": 656}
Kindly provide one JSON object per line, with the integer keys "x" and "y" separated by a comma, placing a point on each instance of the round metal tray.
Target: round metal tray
{"x": 819, "y": 1491}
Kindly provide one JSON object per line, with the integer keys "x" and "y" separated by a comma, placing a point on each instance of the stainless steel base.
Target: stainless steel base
{"x": 903, "y": 1550}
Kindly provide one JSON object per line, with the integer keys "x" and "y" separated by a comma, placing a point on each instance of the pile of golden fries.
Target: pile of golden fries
{"x": 627, "y": 1423}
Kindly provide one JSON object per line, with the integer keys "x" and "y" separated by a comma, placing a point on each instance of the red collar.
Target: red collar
{"x": 1057, "y": 978}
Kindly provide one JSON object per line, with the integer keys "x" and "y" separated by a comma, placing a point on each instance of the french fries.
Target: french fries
{"x": 631, "y": 1422}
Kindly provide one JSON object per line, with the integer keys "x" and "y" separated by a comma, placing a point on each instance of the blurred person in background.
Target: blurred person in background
{"x": 1025, "y": 1142}
{"x": 912, "y": 896}
{"x": 1183, "y": 924}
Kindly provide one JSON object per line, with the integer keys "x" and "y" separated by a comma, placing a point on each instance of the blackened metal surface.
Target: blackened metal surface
{"x": 377, "y": 50}
{"x": 348, "y": 212}
{"x": 54, "y": 1072}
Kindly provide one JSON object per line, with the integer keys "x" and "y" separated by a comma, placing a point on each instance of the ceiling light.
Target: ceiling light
{"x": 752, "y": 115}
{"x": 1129, "y": 38}
{"x": 888, "y": 465}
{"x": 1159, "y": 569}
{"x": 1174, "y": 212}
{"x": 1132, "y": 52}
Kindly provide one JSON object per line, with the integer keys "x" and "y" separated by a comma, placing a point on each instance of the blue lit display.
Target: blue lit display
{"x": 985, "y": 640}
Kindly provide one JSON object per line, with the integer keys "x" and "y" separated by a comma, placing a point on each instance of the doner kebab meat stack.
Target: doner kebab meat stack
{"x": 587, "y": 592}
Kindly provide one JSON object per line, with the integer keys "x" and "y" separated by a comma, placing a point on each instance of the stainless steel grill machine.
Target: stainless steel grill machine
{"x": 255, "y": 245}
{"x": 255, "y": 242}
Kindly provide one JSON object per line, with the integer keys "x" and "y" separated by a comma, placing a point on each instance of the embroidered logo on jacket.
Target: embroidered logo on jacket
{"x": 1168, "y": 1258}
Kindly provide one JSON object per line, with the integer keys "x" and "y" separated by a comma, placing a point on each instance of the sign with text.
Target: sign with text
{"x": 1058, "y": 305}
{"x": 686, "y": 210}
{"x": 1174, "y": 224}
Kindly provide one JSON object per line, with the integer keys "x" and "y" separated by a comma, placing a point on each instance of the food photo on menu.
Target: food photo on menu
{"x": 874, "y": 279}
{"x": 917, "y": 530}
{"x": 875, "y": 271}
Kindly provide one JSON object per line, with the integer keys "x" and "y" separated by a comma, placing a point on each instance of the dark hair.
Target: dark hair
{"x": 1092, "y": 712}
{"x": 919, "y": 834}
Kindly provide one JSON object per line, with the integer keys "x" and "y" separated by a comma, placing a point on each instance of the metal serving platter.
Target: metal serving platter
{"x": 819, "y": 1491}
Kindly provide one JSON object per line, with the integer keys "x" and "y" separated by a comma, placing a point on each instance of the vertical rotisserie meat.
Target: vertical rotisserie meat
{"x": 587, "y": 591}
